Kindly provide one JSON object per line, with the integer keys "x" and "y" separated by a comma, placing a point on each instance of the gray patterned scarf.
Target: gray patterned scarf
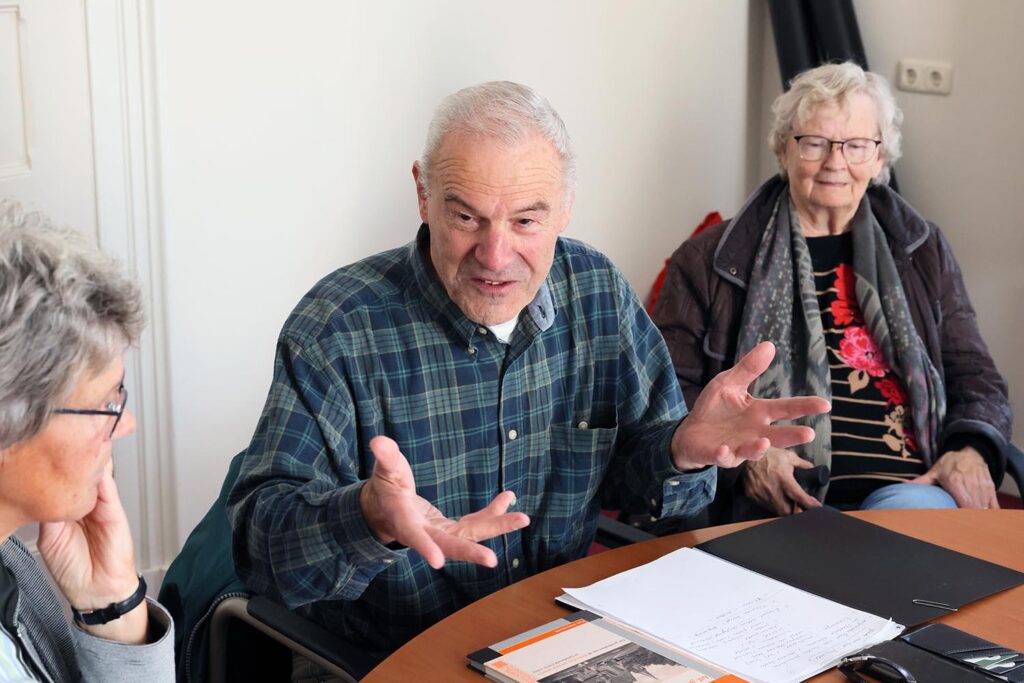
{"x": 782, "y": 266}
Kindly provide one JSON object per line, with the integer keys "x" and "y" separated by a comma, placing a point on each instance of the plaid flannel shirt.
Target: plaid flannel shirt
{"x": 574, "y": 414}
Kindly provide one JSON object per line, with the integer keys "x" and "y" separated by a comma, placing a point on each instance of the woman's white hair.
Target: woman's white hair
{"x": 835, "y": 84}
{"x": 502, "y": 110}
{"x": 65, "y": 309}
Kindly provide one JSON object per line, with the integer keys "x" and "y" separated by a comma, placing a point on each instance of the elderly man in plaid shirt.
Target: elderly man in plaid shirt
{"x": 449, "y": 417}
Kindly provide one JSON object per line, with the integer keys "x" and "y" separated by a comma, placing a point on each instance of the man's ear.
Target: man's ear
{"x": 421, "y": 191}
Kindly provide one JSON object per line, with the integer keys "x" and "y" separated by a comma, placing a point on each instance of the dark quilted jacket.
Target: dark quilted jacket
{"x": 701, "y": 304}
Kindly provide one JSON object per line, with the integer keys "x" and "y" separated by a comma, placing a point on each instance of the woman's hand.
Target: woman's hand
{"x": 965, "y": 476}
{"x": 93, "y": 563}
{"x": 771, "y": 484}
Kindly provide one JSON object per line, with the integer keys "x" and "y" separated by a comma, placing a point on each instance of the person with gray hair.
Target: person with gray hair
{"x": 449, "y": 417}
{"x": 867, "y": 307}
{"x": 67, "y": 315}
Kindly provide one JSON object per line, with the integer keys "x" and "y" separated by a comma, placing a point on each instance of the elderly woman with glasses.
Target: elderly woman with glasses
{"x": 866, "y": 305}
{"x": 66, "y": 318}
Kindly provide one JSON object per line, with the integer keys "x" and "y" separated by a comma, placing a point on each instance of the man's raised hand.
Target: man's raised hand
{"x": 727, "y": 425}
{"x": 394, "y": 512}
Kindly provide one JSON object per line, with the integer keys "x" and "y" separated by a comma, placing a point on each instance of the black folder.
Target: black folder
{"x": 863, "y": 565}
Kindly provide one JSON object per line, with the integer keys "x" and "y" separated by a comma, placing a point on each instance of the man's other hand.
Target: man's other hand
{"x": 394, "y": 512}
{"x": 727, "y": 425}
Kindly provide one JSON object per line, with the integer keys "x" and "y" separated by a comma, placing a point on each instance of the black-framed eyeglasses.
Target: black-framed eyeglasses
{"x": 855, "y": 150}
{"x": 880, "y": 668}
{"x": 114, "y": 410}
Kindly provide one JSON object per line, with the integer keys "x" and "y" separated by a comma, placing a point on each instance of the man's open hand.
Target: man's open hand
{"x": 727, "y": 425}
{"x": 394, "y": 512}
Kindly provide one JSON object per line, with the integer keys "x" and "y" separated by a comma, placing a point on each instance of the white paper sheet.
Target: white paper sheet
{"x": 756, "y": 627}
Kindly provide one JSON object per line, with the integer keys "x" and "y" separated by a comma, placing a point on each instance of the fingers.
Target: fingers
{"x": 437, "y": 538}
{"x": 394, "y": 512}
{"x": 779, "y": 505}
{"x": 960, "y": 494}
{"x": 751, "y": 365}
{"x": 108, "y": 500}
{"x": 728, "y": 458}
{"x": 778, "y": 436}
{"x": 389, "y": 458}
{"x": 493, "y": 520}
{"x": 388, "y": 501}
{"x": 795, "y": 407}
{"x": 798, "y": 495}
{"x": 786, "y": 436}
{"x": 972, "y": 493}
{"x": 499, "y": 505}
{"x": 455, "y": 548}
{"x": 776, "y": 499}
{"x": 411, "y": 532}
{"x": 762, "y": 484}
{"x": 772, "y": 484}
{"x": 965, "y": 476}
{"x": 751, "y": 450}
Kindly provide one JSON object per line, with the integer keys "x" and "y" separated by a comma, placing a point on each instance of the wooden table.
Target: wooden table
{"x": 439, "y": 653}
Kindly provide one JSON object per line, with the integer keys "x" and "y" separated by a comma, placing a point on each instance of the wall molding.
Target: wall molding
{"x": 23, "y": 164}
{"x": 122, "y": 77}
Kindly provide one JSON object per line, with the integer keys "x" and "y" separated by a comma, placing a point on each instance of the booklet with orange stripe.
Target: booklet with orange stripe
{"x": 586, "y": 647}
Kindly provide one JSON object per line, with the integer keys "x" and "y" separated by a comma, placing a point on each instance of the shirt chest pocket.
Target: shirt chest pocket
{"x": 579, "y": 459}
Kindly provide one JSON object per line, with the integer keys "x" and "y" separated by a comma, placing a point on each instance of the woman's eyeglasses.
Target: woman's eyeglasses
{"x": 817, "y": 148}
{"x": 113, "y": 410}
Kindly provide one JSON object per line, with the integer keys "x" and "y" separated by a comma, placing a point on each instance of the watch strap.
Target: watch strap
{"x": 114, "y": 610}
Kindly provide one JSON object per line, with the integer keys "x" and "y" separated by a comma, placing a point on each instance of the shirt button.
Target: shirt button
{"x": 673, "y": 482}
{"x": 389, "y": 560}
{"x": 654, "y": 502}
{"x": 515, "y": 563}
{"x": 482, "y": 330}
{"x": 512, "y": 434}
{"x": 583, "y": 424}
{"x": 471, "y": 350}
{"x": 733, "y": 270}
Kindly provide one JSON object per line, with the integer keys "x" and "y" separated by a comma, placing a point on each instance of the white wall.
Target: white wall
{"x": 960, "y": 152}
{"x": 288, "y": 131}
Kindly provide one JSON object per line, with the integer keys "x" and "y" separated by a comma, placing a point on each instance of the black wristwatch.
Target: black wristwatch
{"x": 114, "y": 610}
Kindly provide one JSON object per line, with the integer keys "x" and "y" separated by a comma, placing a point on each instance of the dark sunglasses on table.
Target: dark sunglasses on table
{"x": 878, "y": 668}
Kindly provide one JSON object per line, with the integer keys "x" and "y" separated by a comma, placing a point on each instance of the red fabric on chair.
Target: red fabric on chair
{"x": 713, "y": 218}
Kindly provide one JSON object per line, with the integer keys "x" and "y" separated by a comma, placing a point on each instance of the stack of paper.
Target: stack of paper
{"x": 754, "y": 626}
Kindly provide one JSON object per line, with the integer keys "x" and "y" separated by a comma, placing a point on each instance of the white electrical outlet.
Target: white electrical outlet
{"x": 925, "y": 76}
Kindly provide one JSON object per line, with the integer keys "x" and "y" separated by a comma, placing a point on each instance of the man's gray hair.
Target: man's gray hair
{"x": 835, "y": 84}
{"x": 503, "y": 110}
{"x": 65, "y": 310}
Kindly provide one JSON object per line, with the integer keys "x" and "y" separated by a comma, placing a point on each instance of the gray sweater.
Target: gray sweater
{"x": 65, "y": 653}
